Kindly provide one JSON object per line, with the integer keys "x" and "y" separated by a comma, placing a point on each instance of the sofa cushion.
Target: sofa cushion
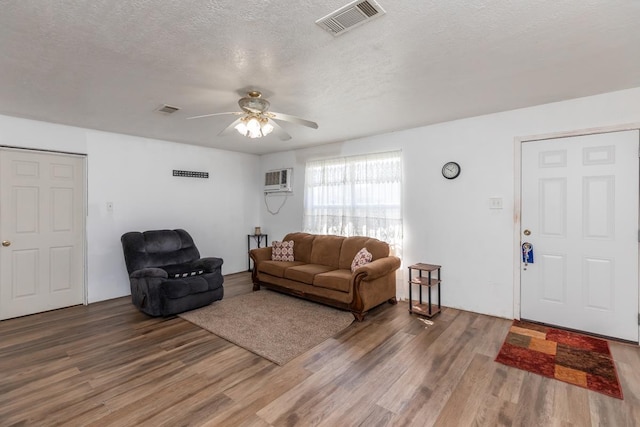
{"x": 326, "y": 250}
{"x": 302, "y": 244}
{"x": 352, "y": 245}
{"x": 350, "y": 248}
{"x": 282, "y": 251}
{"x": 178, "y": 288}
{"x": 338, "y": 280}
{"x": 306, "y": 272}
{"x": 276, "y": 268}
{"x": 363, "y": 257}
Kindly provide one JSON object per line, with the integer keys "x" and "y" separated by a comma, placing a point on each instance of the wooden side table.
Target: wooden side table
{"x": 258, "y": 239}
{"x": 418, "y": 307}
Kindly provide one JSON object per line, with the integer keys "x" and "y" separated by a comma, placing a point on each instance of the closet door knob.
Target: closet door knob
{"x": 6, "y": 243}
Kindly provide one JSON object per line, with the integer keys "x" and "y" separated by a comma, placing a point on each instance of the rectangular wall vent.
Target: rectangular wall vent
{"x": 350, "y": 16}
{"x": 167, "y": 109}
{"x": 190, "y": 174}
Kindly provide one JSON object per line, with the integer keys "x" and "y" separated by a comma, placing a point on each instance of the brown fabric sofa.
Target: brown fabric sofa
{"x": 321, "y": 272}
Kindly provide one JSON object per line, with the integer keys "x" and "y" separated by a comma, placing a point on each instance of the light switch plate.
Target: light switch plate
{"x": 495, "y": 203}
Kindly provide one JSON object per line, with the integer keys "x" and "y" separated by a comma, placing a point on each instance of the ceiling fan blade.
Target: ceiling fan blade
{"x": 230, "y": 128}
{"x": 292, "y": 119}
{"x": 215, "y": 114}
{"x": 279, "y": 132}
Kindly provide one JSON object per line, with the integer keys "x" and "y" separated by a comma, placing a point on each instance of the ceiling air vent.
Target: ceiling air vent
{"x": 350, "y": 16}
{"x": 167, "y": 109}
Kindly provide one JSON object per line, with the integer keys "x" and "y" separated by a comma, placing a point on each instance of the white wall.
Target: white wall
{"x": 449, "y": 222}
{"x": 136, "y": 175}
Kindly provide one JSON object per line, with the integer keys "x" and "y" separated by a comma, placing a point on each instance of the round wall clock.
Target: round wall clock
{"x": 451, "y": 170}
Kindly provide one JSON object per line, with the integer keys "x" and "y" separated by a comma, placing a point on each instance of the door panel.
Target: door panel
{"x": 26, "y": 207}
{"x": 599, "y": 283}
{"x": 42, "y": 216}
{"x": 598, "y": 207}
{"x": 553, "y": 278}
{"x": 553, "y": 200}
{"x": 61, "y": 268}
{"x": 62, "y": 209}
{"x": 25, "y": 272}
{"x": 580, "y": 201}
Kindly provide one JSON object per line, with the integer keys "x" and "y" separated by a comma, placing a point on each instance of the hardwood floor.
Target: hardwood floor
{"x": 108, "y": 364}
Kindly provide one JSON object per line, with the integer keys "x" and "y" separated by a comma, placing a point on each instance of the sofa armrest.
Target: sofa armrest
{"x": 209, "y": 264}
{"x": 378, "y": 268}
{"x": 148, "y": 273}
{"x": 260, "y": 254}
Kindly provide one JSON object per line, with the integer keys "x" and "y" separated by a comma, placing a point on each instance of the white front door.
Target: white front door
{"x": 42, "y": 231}
{"x": 580, "y": 205}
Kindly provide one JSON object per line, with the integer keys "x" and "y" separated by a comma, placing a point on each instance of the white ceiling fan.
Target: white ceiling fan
{"x": 256, "y": 120}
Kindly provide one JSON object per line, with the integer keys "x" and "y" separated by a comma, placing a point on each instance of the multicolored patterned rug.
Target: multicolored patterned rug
{"x": 566, "y": 356}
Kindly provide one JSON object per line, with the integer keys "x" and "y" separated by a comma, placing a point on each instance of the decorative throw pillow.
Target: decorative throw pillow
{"x": 363, "y": 257}
{"x": 282, "y": 251}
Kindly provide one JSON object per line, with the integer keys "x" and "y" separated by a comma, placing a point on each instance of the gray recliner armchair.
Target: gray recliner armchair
{"x": 166, "y": 273}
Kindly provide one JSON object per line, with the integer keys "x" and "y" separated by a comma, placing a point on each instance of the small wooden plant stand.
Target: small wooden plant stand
{"x": 432, "y": 279}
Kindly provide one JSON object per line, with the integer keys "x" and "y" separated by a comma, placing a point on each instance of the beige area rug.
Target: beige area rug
{"x": 275, "y": 326}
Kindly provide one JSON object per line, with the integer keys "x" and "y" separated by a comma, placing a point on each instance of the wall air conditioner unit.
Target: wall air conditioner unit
{"x": 278, "y": 181}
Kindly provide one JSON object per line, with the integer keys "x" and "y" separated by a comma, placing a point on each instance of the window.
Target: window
{"x": 355, "y": 196}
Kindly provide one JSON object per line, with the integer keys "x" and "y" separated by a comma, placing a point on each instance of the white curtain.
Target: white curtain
{"x": 356, "y": 196}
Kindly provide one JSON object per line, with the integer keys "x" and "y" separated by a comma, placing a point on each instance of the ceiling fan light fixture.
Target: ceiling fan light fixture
{"x": 241, "y": 128}
{"x": 256, "y": 121}
{"x": 267, "y": 127}
{"x": 254, "y": 127}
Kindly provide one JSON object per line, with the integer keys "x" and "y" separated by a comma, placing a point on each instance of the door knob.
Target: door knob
{"x": 6, "y": 243}
{"x": 526, "y": 232}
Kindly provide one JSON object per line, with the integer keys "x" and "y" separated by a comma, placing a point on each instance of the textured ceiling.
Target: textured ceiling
{"x": 109, "y": 64}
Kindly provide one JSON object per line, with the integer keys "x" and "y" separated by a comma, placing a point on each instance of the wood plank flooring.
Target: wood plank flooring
{"x": 108, "y": 364}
